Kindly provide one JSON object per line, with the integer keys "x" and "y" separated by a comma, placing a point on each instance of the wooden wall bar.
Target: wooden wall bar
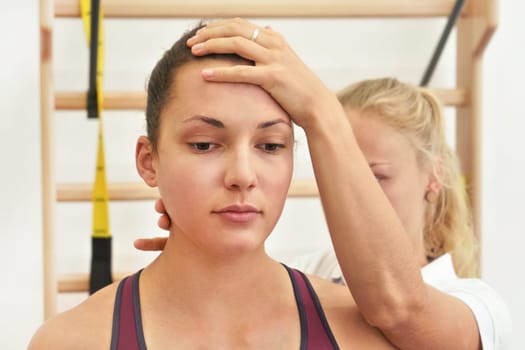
{"x": 47, "y": 110}
{"x": 475, "y": 28}
{"x": 262, "y": 8}
{"x": 136, "y": 100}
{"x": 473, "y": 35}
{"x": 133, "y": 191}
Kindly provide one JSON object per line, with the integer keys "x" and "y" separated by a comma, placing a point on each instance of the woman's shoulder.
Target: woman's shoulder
{"x": 348, "y": 326}
{"x": 85, "y": 326}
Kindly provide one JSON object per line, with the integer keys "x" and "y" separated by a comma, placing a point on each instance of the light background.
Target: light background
{"x": 340, "y": 51}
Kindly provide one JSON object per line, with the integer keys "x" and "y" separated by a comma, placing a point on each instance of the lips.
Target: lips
{"x": 238, "y": 213}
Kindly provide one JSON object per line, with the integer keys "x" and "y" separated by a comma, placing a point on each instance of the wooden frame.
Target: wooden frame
{"x": 473, "y": 35}
{"x": 474, "y": 30}
{"x": 262, "y": 8}
{"x": 47, "y": 131}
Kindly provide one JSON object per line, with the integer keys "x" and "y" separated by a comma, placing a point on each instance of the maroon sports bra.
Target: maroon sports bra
{"x": 127, "y": 332}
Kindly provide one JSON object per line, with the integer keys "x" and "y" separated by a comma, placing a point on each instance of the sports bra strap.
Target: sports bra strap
{"x": 315, "y": 330}
{"x": 127, "y": 333}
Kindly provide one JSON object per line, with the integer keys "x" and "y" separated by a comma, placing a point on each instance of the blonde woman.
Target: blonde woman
{"x": 400, "y": 130}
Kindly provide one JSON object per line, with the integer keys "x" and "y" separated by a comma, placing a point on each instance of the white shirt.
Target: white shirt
{"x": 491, "y": 313}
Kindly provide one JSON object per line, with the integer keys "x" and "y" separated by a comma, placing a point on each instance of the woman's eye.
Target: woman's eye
{"x": 201, "y": 146}
{"x": 271, "y": 147}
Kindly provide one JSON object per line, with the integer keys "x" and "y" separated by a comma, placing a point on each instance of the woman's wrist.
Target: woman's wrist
{"x": 325, "y": 115}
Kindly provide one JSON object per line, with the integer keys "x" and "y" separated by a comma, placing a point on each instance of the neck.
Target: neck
{"x": 238, "y": 300}
{"x": 419, "y": 249}
{"x": 183, "y": 276}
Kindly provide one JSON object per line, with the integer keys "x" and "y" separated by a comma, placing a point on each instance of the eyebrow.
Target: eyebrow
{"x": 218, "y": 124}
{"x": 211, "y": 121}
{"x": 269, "y": 123}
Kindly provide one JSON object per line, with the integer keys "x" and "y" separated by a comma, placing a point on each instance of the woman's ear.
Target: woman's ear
{"x": 434, "y": 185}
{"x": 144, "y": 160}
{"x": 433, "y": 189}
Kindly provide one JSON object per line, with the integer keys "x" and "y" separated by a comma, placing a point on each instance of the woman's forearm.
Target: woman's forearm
{"x": 376, "y": 256}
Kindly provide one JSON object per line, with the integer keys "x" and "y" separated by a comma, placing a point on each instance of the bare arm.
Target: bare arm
{"x": 376, "y": 255}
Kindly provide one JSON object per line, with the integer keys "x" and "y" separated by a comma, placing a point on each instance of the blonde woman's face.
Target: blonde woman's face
{"x": 224, "y": 163}
{"x": 393, "y": 161}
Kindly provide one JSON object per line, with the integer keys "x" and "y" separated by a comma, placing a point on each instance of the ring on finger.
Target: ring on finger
{"x": 255, "y": 34}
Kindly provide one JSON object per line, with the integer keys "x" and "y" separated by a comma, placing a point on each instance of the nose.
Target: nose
{"x": 240, "y": 173}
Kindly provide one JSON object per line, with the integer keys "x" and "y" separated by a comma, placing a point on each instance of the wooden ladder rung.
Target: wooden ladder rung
{"x": 131, "y": 191}
{"x": 262, "y": 8}
{"x": 114, "y": 100}
{"x": 120, "y": 191}
{"x": 451, "y": 97}
{"x": 136, "y": 100}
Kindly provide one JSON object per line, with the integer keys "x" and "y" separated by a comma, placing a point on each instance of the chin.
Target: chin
{"x": 241, "y": 246}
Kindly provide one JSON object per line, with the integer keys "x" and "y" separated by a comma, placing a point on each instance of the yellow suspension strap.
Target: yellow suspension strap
{"x": 100, "y": 274}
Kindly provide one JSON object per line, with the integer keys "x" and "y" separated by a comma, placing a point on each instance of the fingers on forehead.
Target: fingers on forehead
{"x": 229, "y": 28}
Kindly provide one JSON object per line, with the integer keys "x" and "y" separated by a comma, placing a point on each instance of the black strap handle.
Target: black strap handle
{"x": 100, "y": 274}
{"x": 452, "y": 19}
{"x": 92, "y": 96}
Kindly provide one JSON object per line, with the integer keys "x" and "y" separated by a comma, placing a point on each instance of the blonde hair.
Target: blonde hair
{"x": 418, "y": 115}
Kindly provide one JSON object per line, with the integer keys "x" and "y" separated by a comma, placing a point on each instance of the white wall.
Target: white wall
{"x": 340, "y": 51}
{"x": 20, "y": 214}
{"x": 504, "y": 164}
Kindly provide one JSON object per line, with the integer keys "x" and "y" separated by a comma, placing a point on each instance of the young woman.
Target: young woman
{"x": 399, "y": 129}
{"x": 221, "y": 156}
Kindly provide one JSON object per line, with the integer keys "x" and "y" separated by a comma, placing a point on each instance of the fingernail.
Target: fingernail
{"x": 207, "y": 72}
{"x": 197, "y": 47}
